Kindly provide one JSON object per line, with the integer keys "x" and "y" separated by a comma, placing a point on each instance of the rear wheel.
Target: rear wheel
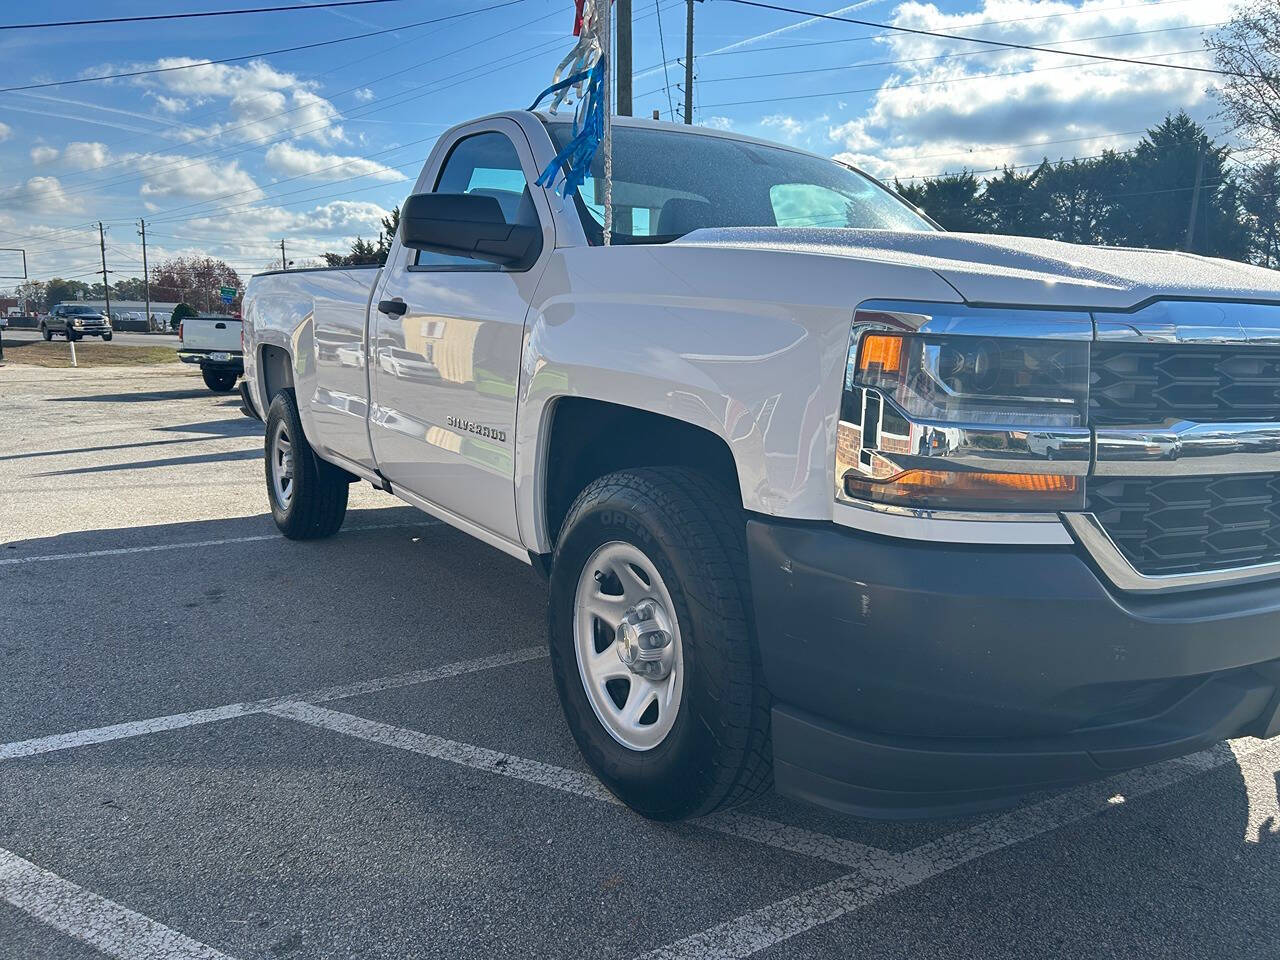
{"x": 219, "y": 381}
{"x": 652, "y": 643}
{"x": 308, "y": 496}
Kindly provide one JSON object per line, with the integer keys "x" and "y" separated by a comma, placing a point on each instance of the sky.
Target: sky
{"x": 315, "y": 146}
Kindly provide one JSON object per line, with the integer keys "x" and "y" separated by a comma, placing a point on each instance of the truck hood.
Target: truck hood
{"x": 1017, "y": 271}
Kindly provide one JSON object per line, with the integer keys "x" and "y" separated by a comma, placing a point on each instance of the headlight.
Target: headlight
{"x": 77, "y": 322}
{"x": 987, "y": 414}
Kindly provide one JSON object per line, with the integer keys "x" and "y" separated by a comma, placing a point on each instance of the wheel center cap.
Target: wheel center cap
{"x": 644, "y": 642}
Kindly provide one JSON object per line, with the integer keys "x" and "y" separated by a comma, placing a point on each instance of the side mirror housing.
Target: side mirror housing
{"x": 467, "y": 225}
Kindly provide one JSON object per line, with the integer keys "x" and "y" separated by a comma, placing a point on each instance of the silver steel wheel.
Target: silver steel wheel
{"x": 627, "y": 641}
{"x": 282, "y": 467}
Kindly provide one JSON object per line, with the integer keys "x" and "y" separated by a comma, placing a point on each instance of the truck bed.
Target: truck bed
{"x": 318, "y": 316}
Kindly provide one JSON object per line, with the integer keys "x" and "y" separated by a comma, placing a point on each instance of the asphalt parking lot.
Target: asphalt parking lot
{"x": 217, "y": 743}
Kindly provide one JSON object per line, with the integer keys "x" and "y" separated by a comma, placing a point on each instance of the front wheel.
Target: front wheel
{"x": 308, "y": 496}
{"x": 106, "y": 337}
{"x": 652, "y": 643}
{"x": 72, "y": 336}
{"x": 219, "y": 381}
{"x": 46, "y": 332}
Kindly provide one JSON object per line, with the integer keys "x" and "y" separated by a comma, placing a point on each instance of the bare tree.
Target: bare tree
{"x": 1248, "y": 49}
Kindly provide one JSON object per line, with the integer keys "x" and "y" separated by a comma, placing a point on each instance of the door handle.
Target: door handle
{"x": 219, "y": 326}
{"x": 392, "y": 308}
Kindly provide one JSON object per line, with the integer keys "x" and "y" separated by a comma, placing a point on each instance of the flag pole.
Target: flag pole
{"x": 606, "y": 47}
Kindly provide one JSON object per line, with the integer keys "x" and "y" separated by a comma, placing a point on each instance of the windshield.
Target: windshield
{"x": 667, "y": 184}
{"x": 82, "y": 311}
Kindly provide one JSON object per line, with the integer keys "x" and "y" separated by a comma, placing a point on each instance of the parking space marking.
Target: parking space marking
{"x": 820, "y": 846}
{"x": 177, "y": 721}
{"x": 789, "y": 917}
{"x": 757, "y": 829}
{"x": 464, "y": 754}
{"x": 156, "y": 547}
{"x": 105, "y": 925}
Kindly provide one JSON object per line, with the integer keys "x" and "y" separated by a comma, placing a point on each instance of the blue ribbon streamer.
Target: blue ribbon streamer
{"x": 588, "y": 131}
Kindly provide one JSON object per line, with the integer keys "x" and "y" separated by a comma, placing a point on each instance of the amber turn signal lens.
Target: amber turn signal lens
{"x": 951, "y": 490}
{"x": 880, "y": 350}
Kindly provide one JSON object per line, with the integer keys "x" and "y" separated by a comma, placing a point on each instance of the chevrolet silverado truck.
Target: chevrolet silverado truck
{"x": 904, "y": 522}
{"x": 213, "y": 342}
{"x": 74, "y": 321}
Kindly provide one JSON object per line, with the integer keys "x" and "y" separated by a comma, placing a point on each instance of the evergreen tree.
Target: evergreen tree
{"x": 1260, "y": 197}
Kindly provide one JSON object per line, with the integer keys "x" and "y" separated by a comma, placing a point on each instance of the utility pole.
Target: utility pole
{"x": 283, "y": 264}
{"x": 146, "y": 274}
{"x": 688, "y": 64}
{"x": 1195, "y": 198}
{"x": 624, "y": 57}
{"x": 102, "y": 246}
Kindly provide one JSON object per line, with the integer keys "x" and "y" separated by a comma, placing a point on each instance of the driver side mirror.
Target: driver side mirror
{"x": 467, "y": 225}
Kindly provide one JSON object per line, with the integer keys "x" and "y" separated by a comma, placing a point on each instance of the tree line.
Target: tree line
{"x": 1176, "y": 190}
{"x": 191, "y": 281}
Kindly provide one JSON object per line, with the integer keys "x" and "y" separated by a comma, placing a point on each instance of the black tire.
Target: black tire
{"x": 106, "y": 337}
{"x": 318, "y": 502}
{"x": 72, "y": 336}
{"x": 718, "y": 752}
{"x": 46, "y": 332}
{"x": 219, "y": 381}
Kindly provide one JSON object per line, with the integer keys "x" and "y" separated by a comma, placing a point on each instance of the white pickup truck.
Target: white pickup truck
{"x": 213, "y": 341}
{"x": 905, "y": 522}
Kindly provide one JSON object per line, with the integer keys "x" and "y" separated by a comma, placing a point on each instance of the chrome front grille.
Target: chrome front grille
{"x": 1157, "y": 383}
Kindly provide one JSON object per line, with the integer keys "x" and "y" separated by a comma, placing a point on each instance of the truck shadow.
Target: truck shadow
{"x": 141, "y": 396}
{"x": 225, "y": 456}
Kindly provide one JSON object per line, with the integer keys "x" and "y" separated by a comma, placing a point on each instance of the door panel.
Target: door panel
{"x": 446, "y": 372}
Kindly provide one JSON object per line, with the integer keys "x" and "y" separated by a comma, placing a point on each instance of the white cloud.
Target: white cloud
{"x": 257, "y": 100}
{"x": 789, "y": 128}
{"x": 43, "y": 153}
{"x": 5, "y": 132}
{"x": 82, "y": 155}
{"x": 718, "y": 123}
{"x": 178, "y": 177}
{"x": 42, "y": 195}
{"x": 287, "y": 159}
{"x": 364, "y": 95}
{"x": 171, "y": 104}
{"x": 929, "y": 117}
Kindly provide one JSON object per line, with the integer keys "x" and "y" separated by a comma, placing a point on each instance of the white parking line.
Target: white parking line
{"x": 783, "y": 919}
{"x": 464, "y": 754}
{"x": 820, "y": 846}
{"x": 177, "y": 721}
{"x": 156, "y": 547}
{"x": 757, "y": 829}
{"x": 104, "y": 924}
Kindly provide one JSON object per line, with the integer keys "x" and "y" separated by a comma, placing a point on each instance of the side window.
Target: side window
{"x": 484, "y": 163}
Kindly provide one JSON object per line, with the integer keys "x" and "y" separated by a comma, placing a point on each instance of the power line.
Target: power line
{"x": 881, "y": 36}
{"x": 920, "y": 83}
{"x": 182, "y": 162}
{"x": 433, "y": 87}
{"x": 944, "y": 56}
{"x": 662, "y": 48}
{"x": 1009, "y": 45}
{"x": 254, "y": 56}
{"x": 190, "y": 16}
